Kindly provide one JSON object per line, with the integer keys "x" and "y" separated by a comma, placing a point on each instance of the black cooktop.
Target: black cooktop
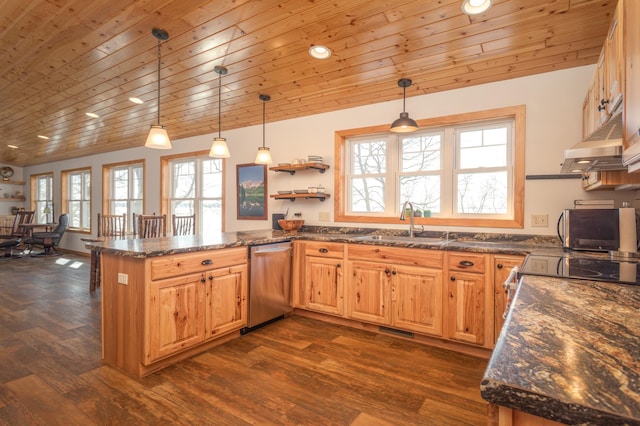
{"x": 616, "y": 270}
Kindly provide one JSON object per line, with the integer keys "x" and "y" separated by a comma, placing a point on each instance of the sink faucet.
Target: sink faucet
{"x": 403, "y": 216}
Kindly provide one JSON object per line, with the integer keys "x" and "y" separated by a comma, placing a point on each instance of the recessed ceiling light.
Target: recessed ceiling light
{"x": 136, "y": 100}
{"x": 474, "y": 7}
{"x": 319, "y": 52}
{"x": 92, "y": 115}
{"x": 12, "y": 146}
{"x": 46, "y": 138}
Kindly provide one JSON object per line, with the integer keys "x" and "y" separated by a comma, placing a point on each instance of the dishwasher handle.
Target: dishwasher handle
{"x": 267, "y": 250}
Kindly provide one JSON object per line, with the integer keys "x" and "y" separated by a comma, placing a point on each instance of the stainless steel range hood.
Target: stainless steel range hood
{"x": 600, "y": 151}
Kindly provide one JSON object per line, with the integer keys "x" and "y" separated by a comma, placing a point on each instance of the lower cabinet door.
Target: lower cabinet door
{"x": 323, "y": 285}
{"x": 468, "y": 316}
{"x": 175, "y": 310}
{"x": 417, "y": 299}
{"x": 368, "y": 292}
{"x": 226, "y": 301}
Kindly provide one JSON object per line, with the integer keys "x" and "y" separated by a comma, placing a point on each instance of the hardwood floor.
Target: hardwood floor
{"x": 296, "y": 371}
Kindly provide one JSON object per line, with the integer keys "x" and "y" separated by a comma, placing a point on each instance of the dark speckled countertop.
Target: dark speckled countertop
{"x": 569, "y": 351}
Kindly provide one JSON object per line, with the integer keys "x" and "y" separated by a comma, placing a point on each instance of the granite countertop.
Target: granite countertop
{"x": 569, "y": 351}
{"x": 482, "y": 243}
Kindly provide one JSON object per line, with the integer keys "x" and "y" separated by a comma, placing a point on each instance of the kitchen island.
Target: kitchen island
{"x": 569, "y": 351}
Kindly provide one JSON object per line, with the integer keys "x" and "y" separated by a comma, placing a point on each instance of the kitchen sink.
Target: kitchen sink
{"x": 403, "y": 239}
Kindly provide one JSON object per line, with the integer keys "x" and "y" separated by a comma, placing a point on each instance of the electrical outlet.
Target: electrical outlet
{"x": 123, "y": 278}
{"x": 324, "y": 217}
{"x": 539, "y": 266}
{"x": 540, "y": 220}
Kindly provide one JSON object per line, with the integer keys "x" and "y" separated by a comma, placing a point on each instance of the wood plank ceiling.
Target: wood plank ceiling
{"x": 63, "y": 58}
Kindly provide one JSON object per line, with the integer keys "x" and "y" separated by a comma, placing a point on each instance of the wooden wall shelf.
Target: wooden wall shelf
{"x": 293, "y": 168}
{"x": 293, "y": 197}
{"x": 12, "y": 182}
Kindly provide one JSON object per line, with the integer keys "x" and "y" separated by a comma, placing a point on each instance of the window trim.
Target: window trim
{"x": 165, "y": 187}
{"x": 517, "y": 113}
{"x": 34, "y": 191}
{"x": 106, "y": 188}
{"x": 64, "y": 208}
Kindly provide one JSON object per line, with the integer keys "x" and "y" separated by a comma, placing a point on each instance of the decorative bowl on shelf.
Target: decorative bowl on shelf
{"x": 291, "y": 225}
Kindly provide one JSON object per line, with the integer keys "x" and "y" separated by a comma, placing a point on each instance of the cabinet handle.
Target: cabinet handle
{"x": 393, "y": 272}
{"x": 207, "y": 262}
{"x": 210, "y": 277}
{"x": 386, "y": 271}
{"x": 603, "y": 102}
{"x": 339, "y": 265}
{"x": 465, "y": 264}
{"x": 499, "y": 265}
{"x": 323, "y": 250}
{"x": 452, "y": 278}
{"x": 203, "y": 280}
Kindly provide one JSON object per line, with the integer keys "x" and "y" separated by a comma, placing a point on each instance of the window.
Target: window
{"x": 42, "y": 199}
{"x": 76, "y": 198}
{"x": 123, "y": 189}
{"x": 194, "y": 184}
{"x": 465, "y": 170}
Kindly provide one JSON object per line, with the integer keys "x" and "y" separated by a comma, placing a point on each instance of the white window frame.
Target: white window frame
{"x": 451, "y": 126}
{"x": 108, "y": 176}
{"x": 84, "y": 200}
{"x": 40, "y": 204}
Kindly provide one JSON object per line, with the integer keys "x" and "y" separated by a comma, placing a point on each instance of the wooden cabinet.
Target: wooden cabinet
{"x": 502, "y": 265}
{"x": 156, "y": 311}
{"x": 631, "y": 46}
{"x": 610, "y": 179}
{"x": 395, "y": 286}
{"x": 470, "y": 299}
{"x": 323, "y": 281}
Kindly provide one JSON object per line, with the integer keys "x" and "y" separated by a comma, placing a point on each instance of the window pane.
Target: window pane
{"x": 482, "y": 193}
{"x": 422, "y": 191}
{"x": 211, "y": 216}
{"x": 120, "y": 184}
{"x": 212, "y": 178}
{"x": 483, "y": 148}
{"x": 137, "y": 180}
{"x": 369, "y": 157}
{"x": 183, "y": 207}
{"x": 184, "y": 179}
{"x": 420, "y": 153}
{"x": 367, "y": 195}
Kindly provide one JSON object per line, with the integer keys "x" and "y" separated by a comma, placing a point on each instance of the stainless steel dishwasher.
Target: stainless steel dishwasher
{"x": 269, "y": 283}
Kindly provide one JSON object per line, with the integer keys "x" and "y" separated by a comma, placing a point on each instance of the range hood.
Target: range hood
{"x": 602, "y": 150}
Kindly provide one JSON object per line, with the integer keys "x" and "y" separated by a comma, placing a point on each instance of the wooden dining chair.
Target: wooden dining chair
{"x": 112, "y": 225}
{"x": 151, "y": 225}
{"x": 184, "y": 225}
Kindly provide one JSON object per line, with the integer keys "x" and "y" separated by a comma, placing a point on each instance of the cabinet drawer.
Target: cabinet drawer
{"x": 398, "y": 255}
{"x": 181, "y": 264}
{"x": 322, "y": 249}
{"x": 467, "y": 262}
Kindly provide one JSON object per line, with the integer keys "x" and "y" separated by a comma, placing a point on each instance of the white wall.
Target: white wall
{"x": 554, "y": 123}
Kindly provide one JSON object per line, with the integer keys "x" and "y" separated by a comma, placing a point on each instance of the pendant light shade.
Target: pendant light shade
{"x": 404, "y": 124}
{"x": 158, "y": 137}
{"x": 219, "y": 148}
{"x": 264, "y": 153}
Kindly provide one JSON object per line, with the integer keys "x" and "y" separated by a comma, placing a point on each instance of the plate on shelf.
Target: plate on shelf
{"x": 284, "y": 192}
{"x": 300, "y": 191}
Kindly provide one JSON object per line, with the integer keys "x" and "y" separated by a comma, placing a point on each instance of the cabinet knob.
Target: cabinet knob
{"x": 210, "y": 277}
{"x": 452, "y": 278}
{"x": 499, "y": 266}
{"x": 386, "y": 271}
{"x": 203, "y": 280}
{"x": 393, "y": 272}
{"x": 323, "y": 250}
{"x": 339, "y": 265}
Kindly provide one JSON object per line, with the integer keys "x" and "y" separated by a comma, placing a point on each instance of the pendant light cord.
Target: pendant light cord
{"x": 219, "y": 106}
{"x": 159, "y": 81}
{"x": 264, "y": 105}
{"x": 404, "y": 99}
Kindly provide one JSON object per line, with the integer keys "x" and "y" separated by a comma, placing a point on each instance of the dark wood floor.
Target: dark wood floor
{"x": 295, "y": 371}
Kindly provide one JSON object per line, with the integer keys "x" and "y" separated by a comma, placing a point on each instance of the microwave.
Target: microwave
{"x": 589, "y": 229}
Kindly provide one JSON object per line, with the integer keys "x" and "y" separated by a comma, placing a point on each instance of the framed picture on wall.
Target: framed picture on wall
{"x": 252, "y": 191}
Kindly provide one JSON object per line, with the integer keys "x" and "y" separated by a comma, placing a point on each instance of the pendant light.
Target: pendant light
{"x": 475, "y": 7}
{"x": 404, "y": 124}
{"x": 264, "y": 154}
{"x": 158, "y": 137}
{"x": 219, "y": 148}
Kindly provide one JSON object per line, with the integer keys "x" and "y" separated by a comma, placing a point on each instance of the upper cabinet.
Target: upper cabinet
{"x": 631, "y": 46}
